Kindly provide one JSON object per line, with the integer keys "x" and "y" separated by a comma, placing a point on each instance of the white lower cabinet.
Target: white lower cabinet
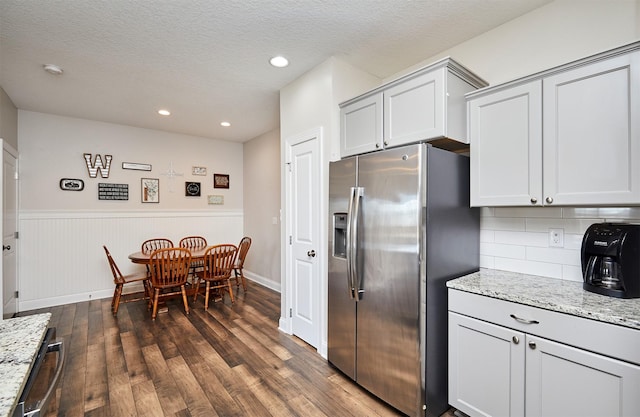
{"x": 500, "y": 371}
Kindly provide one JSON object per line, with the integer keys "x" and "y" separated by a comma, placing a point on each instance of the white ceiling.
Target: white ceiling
{"x": 207, "y": 60}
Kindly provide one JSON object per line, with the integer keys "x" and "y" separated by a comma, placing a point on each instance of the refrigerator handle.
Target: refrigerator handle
{"x": 357, "y": 193}
{"x": 349, "y": 248}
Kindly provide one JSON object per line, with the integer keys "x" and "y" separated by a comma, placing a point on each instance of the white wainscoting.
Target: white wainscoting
{"x": 61, "y": 259}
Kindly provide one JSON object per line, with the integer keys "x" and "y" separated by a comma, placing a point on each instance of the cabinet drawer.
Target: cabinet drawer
{"x": 604, "y": 338}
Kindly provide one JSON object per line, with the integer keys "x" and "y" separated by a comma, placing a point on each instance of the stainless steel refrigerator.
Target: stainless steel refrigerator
{"x": 400, "y": 227}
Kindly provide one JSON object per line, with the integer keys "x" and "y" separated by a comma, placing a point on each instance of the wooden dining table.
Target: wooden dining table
{"x": 143, "y": 257}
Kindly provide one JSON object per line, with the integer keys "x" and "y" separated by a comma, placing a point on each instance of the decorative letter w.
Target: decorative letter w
{"x": 93, "y": 168}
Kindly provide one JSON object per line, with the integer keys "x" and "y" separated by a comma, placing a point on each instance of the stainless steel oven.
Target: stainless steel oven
{"x": 39, "y": 390}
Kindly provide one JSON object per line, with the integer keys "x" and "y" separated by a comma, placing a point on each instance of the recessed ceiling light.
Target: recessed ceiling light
{"x": 279, "y": 61}
{"x": 225, "y": 124}
{"x": 52, "y": 69}
{"x": 164, "y": 112}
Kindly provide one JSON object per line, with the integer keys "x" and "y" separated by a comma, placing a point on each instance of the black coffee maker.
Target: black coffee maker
{"x": 611, "y": 259}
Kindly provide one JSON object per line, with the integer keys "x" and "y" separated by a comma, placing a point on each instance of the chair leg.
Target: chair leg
{"x": 206, "y": 296}
{"x": 115, "y": 302}
{"x": 244, "y": 282}
{"x": 184, "y": 298}
{"x": 230, "y": 287}
{"x": 197, "y": 290}
{"x": 155, "y": 304}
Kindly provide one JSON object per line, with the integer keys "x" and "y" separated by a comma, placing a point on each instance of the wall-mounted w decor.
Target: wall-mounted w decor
{"x": 93, "y": 167}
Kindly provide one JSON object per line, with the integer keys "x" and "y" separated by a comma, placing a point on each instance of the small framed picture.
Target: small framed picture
{"x": 150, "y": 190}
{"x": 220, "y": 181}
{"x": 201, "y": 171}
{"x": 192, "y": 189}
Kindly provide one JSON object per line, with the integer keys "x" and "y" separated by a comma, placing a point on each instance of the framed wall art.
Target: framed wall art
{"x": 71, "y": 184}
{"x": 200, "y": 171}
{"x": 192, "y": 189}
{"x": 220, "y": 181}
{"x": 150, "y": 190}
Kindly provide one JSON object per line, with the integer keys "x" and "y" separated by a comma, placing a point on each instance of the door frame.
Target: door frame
{"x": 6, "y": 147}
{"x": 286, "y": 300}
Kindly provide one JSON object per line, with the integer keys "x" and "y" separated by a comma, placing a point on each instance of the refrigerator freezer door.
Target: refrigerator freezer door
{"x": 341, "y": 338}
{"x": 388, "y": 330}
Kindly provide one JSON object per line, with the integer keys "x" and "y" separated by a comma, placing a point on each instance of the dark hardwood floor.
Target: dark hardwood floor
{"x": 228, "y": 361}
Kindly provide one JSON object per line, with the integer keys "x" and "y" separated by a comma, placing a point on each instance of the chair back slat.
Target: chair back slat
{"x": 169, "y": 267}
{"x": 218, "y": 261}
{"x": 193, "y": 242}
{"x": 151, "y": 245}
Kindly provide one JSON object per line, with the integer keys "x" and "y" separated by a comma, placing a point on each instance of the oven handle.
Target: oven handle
{"x": 42, "y": 404}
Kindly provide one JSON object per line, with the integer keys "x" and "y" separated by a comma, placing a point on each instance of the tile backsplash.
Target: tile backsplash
{"x": 517, "y": 238}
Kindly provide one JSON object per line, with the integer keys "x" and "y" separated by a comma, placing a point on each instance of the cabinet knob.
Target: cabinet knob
{"x": 549, "y": 200}
{"x": 534, "y": 200}
{"x": 386, "y": 143}
{"x": 515, "y": 339}
{"x": 377, "y": 145}
{"x": 532, "y": 344}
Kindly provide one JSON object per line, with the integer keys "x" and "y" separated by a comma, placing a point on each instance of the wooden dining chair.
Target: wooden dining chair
{"x": 169, "y": 270}
{"x": 218, "y": 264}
{"x": 194, "y": 243}
{"x": 151, "y": 245}
{"x": 238, "y": 274}
{"x": 121, "y": 280}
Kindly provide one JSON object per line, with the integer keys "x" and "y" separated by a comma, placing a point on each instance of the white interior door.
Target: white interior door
{"x": 304, "y": 191}
{"x": 9, "y": 228}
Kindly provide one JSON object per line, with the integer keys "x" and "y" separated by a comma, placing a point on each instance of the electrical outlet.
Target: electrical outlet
{"x": 556, "y": 238}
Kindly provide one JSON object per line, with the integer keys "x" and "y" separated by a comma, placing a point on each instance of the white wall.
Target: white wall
{"x": 8, "y": 120}
{"x": 516, "y": 239}
{"x": 262, "y": 208}
{"x": 309, "y": 103}
{"x": 61, "y": 259}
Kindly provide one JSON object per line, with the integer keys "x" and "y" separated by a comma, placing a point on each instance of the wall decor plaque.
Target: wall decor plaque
{"x": 220, "y": 181}
{"x": 150, "y": 189}
{"x": 113, "y": 191}
{"x": 192, "y": 189}
{"x": 201, "y": 171}
{"x": 71, "y": 184}
{"x": 215, "y": 199}
{"x": 136, "y": 166}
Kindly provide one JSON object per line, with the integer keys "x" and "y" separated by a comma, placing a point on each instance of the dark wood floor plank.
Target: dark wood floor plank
{"x": 168, "y": 393}
{"x": 189, "y": 388}
{"x": 146, "y": 399}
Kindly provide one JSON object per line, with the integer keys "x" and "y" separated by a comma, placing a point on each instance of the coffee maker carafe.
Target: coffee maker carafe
{"x": 611, "y": 259}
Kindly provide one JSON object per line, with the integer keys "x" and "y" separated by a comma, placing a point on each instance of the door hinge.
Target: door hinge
{"x": 16, "y": 234}
{"x": 290, "y": 312}
{"x": 15, "y": 175}
{"x": 290, "y": 240}
{"x": 288, "y": 164}
{"x": 15, "y": 294}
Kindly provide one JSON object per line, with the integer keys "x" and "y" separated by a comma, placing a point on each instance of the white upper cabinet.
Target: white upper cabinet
{"x": 425, "y": 105}
{"x": 567, "y": 136}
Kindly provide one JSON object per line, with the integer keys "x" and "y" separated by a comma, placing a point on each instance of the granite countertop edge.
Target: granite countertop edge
{"x": 20, "y": 339}
{"x": 550, "y": 294}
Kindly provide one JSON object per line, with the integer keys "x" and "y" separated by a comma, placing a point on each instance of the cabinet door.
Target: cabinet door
{"x": 592, "y": 133}
{"x": 361, "y": 126}
{"x": 415, "y": 109}
{"x": 564, "y": 381}
{"x": 505, "y": 131}
{"x": 486, "y": 368}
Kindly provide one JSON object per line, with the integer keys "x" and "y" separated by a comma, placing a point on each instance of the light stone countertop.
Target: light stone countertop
{"x": 550, "y": 294}
{"x": 20, "y": 339}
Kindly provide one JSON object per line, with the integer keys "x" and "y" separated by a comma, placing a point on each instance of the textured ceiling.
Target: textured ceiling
{"x": 207, "y": 60}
